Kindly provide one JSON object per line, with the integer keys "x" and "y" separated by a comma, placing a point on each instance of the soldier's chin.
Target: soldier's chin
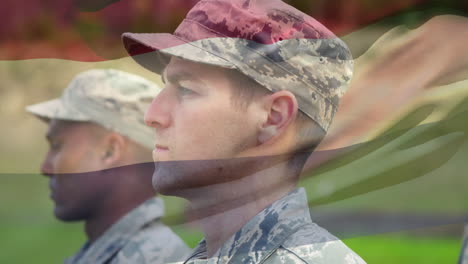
{"x": 66, "y": 215}
{"x": 163, "y": 179}
{"x": 179, "y": 178}
{"x": 170, "y": 177}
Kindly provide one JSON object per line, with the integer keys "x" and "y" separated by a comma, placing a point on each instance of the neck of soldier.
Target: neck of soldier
{"x": 123, "y": 198}
{"x": 223, "y": 209}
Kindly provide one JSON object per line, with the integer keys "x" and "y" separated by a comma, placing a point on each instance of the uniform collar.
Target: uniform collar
{"x": 115, "y": 238}
{"x": 263, "y": 234}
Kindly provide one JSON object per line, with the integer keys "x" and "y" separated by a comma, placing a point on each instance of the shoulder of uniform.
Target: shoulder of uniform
{"x": 313, "y": 244}
{"x": 156, "y": 243}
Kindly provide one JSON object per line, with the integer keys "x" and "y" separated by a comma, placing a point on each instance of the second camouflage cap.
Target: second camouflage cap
{"x": 271, "y": 42}
{"x": 113, "y": 99}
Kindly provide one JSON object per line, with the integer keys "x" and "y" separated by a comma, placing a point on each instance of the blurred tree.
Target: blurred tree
{"x": 90, "y": 30}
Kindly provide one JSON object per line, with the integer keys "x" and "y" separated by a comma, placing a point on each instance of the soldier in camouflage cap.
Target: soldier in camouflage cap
{"x": 98, "y": 143}
{"x": 113, "y": 99}
{"x": 249, "y": 85}
{"x": 269, "y": 41}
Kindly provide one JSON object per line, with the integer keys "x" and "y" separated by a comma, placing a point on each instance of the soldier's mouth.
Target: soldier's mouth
{"x": 158, "y": 149}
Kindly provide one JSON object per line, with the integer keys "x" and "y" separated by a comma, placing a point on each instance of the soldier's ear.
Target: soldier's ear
{"x": 281, "y": 110}
{"x": 114, "y": 145}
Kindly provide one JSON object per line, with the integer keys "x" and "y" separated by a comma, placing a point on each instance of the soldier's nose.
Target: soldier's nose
{"x": 46, "y": 169}
{"x": 158, "y": 114}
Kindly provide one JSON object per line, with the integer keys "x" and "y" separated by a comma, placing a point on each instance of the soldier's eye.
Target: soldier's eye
{"x": 54, "y": 145}
{"x": 184, "y": 91}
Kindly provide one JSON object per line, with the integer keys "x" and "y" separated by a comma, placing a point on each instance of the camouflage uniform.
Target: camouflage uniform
{"x": 464, "y": 251}
{"x": 281, "y": 233}
{"x": 280, "y": 48}
{"x": 138, "y": 237}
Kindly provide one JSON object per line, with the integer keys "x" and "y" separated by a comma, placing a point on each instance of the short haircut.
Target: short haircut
{"x": 245, "y": 89}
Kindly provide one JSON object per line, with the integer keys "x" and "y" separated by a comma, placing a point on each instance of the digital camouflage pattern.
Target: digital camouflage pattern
{"x": 271, "y": 42}
{"x": 138, "y": 237}
{"x": 113, "y": 99}
{"x": 282, "y": 233}
{"x": 464, "y": 251}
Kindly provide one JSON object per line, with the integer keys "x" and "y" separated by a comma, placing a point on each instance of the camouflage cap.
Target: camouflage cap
{"x": 271, "y": 42}
{"x": 113, "y": 99}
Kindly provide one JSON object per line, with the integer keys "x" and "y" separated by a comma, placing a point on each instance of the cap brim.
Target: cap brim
{"x": 153, "y": 51}
{"x": 55, "y": 109}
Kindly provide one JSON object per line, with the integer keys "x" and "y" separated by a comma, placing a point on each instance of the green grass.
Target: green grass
{"x": 39, "y": 242}
{"x": 29, "y": 232}
{"x": 52, "y": 241}
{"x": 391, "y": 248}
